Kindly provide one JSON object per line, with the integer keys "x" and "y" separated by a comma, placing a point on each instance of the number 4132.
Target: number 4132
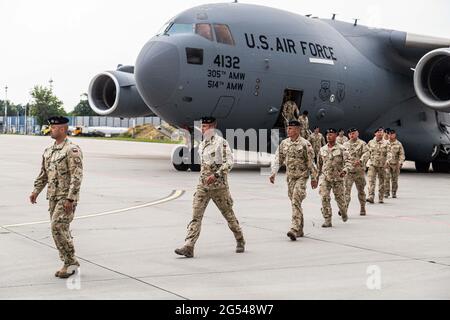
{"x": 227, "y": 62}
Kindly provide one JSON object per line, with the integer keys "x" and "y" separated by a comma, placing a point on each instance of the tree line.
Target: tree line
{"x": 45, "y": 104}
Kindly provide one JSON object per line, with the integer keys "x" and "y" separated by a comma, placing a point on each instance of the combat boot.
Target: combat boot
{"x": 363, "y": 210}
{"x": 292, "y": 234}
{"x": 67, "y": 271}
{"x": 327, "y": 224}
{"x": 394, "y": 195}
{"x": 381, "y": 201}
{"x": 344, "y": 216}
{"x": 186, "y": 251}
{"x": 370, "y": 200}
{"x": 387, "y": 195}
{"x": 240, "y": 246}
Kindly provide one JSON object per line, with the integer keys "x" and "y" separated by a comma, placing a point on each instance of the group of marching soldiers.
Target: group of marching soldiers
{"x": 341, "y": 162}
{"x": 338, "y": 161}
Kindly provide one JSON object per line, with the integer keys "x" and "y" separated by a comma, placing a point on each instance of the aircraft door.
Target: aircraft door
{"x": 289, "y": 94}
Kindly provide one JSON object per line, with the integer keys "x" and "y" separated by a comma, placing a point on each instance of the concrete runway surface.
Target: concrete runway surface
{"x": 135, "y": 207}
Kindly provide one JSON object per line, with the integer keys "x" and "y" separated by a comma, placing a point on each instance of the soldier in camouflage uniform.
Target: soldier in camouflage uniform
{"x": 62, "y": 172}
{"x": 334, "y": 164}
{"x": 317, "y": 141}
{"x": 359, "y": 154}
{"x": 297, "y": 155}
{"x": 387, "y": 131}
{"x": 290, "y": 110}
{"x": 379, "y": 153}
{"x": 304, "y": 124}
{"x": 341, "y": 139}
{"x": 395, "y": 163}
{"x": 216, "y": 162}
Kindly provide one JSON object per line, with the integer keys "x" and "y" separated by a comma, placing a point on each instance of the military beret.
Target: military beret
{"x": 379, "y": 129}
{"x": 387, "y": 130}
{"x": 305, "y": 112}
{"x": 352, "y": 129}
{"x": 208, "y": 120}
{"x": 57, "y": 120}
{"x": 294, "y": 123}
{"x": 331, "y": 130}
{"x": 341, "y": 130}
{"x": 392, "y": 131}
{"x": 315, "y": 127}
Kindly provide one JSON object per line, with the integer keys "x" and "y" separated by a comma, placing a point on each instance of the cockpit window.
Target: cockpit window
{"x": 204, "y": 30}
{"x": 164, "y": 28}
{"x": 223, "y": 34}
{"x": 178, "y": 28}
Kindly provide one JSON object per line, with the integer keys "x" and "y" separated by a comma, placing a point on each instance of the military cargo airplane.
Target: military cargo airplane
{"x": 238, "y": 62}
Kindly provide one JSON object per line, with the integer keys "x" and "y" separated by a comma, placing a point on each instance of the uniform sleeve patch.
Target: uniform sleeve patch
{"x": 74, "y": 150}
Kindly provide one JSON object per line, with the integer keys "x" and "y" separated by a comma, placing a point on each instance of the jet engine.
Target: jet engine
{"x": 114, "y": 93}
{"x": 432, "y": 79}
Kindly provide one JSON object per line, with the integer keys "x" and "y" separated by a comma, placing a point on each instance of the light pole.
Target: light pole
{"x": 26, "y": 119}
{"x": 5, "y": 122}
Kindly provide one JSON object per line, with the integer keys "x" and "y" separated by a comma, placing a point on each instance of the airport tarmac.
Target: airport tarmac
{"x": 135, "y": 208}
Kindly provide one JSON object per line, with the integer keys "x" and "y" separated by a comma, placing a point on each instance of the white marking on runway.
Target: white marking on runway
{"x": 173, "y": 196}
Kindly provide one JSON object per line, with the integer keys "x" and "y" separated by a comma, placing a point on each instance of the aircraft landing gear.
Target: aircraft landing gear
{"x": 422, "y": 167}
{"x": 441, "y": 166}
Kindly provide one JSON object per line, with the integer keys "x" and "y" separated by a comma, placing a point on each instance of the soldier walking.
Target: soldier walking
{"x": 379, "y": 151}
{"x": 216, "y": 162}
{"x": 341, "y": 139}
{"x": 334, "y": 164}
{"x": 290, "y": 110}
{"x": 304, "y": 125}
{"x": 394, "y": 164}
{"x": 317, "y": 141}
{"x": 358, "y": 154}
{"x": 297, "y": 154}
{"x": 62, "y": 172}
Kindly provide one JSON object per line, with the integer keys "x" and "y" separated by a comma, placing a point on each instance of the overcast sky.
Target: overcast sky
{"x": 71, "y": 41}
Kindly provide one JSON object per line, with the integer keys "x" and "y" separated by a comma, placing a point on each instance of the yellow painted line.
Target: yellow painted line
{"x": 173, "y": 196}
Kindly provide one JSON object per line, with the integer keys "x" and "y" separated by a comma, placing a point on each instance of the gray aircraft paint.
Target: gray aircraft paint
{"x": 349, "y": 75}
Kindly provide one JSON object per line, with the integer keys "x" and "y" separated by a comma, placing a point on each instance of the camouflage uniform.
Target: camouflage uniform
{"x": 290, "y": 111}
{"x": 216, "y": 159}
{"x": 341, "y": 140}
{"x": 304, "y": 123}
{"x": 62, "y": 171}
{"x": 358, "y": 151}
{"x": 378, "y": 156}
{"x": 317, "y": 141}
{"x": 298, "y": 157}
{"x": 332, "y": 162}
{"x": 396, "y": 160}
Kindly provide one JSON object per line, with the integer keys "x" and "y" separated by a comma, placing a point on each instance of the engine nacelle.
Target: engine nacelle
{"x": 114, "y": 93}
{"x": 432, "y": 79}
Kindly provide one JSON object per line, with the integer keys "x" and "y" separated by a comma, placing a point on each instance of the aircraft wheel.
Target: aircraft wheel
{"x": 422, "y": 167}
{"x": 195, "y": 161}
{"x": 441, "y": 166}
{"x": 180, "y": 158}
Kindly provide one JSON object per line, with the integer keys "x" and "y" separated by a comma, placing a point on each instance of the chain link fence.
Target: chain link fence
{"x": 28, "y": 125}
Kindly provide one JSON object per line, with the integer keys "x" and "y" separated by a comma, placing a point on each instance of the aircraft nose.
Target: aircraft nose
{"x": 157, "y": 72}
